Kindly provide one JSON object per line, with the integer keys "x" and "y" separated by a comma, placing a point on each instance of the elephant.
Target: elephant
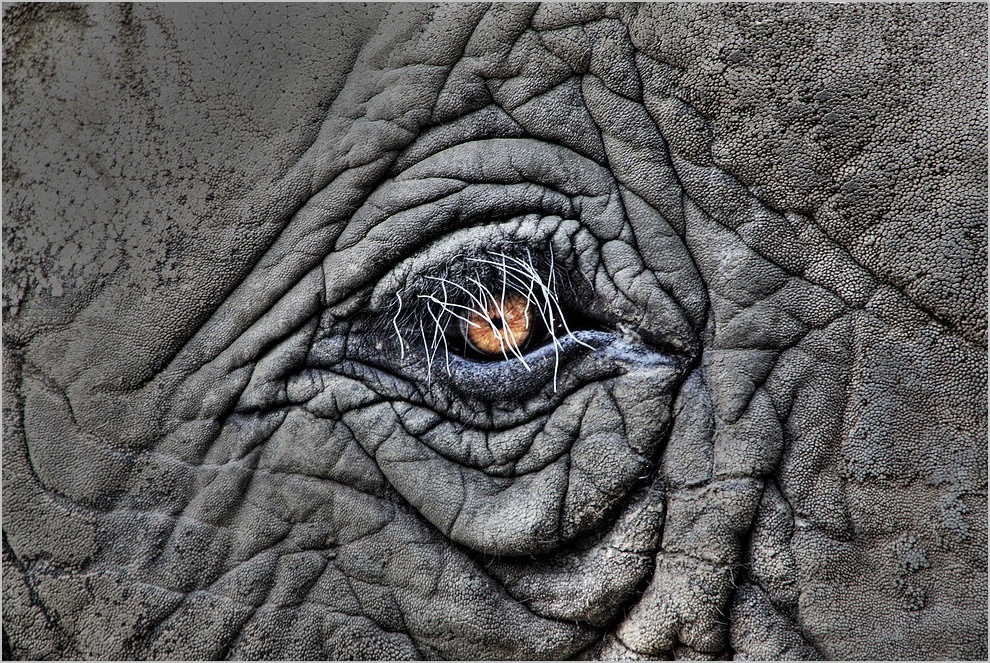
{"x": 513, "y": 331}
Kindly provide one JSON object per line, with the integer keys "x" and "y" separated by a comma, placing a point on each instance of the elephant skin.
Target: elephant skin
{"x": 236, "y": 419}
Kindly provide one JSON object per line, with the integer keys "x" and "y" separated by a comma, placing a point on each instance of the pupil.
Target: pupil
{"x": 497, "y": 322}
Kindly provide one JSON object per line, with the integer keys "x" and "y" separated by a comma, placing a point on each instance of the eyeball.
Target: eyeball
{"x": 505, "y": 326}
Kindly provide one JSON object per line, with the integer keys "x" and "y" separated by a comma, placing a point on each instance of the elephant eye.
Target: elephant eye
{"x": 490, "y": 307}
{"x": 495, "y": 322}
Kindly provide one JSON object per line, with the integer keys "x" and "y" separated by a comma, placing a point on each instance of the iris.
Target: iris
{"x": 504, "y": 326}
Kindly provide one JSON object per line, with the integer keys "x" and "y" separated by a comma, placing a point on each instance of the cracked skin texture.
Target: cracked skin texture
{"x": 775, "y": 215}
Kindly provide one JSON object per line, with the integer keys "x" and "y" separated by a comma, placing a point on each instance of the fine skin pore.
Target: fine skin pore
{"x": 502, "y": 332}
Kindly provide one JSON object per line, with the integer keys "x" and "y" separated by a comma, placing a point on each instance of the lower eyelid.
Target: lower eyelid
{"x": 511, "y": 380}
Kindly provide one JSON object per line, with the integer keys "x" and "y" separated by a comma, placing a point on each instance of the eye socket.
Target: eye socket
{"x": 544, "y": 324}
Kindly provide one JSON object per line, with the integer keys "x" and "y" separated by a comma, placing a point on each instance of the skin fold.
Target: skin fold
{"x": 751, "y": 423}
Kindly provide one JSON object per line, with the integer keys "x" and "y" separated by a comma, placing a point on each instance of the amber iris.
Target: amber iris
{"x": 505, "y": 325}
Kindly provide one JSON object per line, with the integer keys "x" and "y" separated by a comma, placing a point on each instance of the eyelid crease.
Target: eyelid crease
{"x": 391, "y": 238}
{"x": 516, "y": 160}
{"x": 451, "y": 251}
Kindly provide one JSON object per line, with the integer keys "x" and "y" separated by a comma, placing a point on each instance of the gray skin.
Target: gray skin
{"x": 773, "y": 222}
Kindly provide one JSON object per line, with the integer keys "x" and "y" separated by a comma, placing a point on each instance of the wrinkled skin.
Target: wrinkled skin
{"x": 216, "y": 447}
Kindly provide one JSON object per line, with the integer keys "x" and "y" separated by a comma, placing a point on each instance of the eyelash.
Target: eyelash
{"x": 443, "y": 303}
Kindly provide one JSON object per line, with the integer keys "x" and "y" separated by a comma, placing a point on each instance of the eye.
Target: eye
{"x": 501, "y": 321}
{"x": 490, "y": 307}
{"x": 503, "y": 326}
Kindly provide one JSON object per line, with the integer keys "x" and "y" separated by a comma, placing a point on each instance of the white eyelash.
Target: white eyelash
{"x": 395, "y": 325}
{"x": 520, "y": 275}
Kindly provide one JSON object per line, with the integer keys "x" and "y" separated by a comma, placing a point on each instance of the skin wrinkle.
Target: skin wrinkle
{"x": 833, "y": 243}
{"x": 262, "y": 603}
{"x": 682, "y": 186}
{"x": 25, "y": 569}
{"x": 308, "y": 164}
{"x": 462, "y": 469}
{"x": 462, "y": 130}
{"x": 743, "y": 239}
{"x": 182, "y": 517}
{"x": 553, "y": 570}
{"x": 460, "y": 461}
{"x": 421, "y": 241}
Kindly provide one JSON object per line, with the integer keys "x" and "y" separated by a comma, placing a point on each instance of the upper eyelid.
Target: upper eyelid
{"x": 436, "y": 257}
{"x": 565, "y": 179}
{"x": 430, "y": 199}
{"x": 440, "y": 210}
{"x": 513, "y": 161}
{"x": 385, "y": 240}
{"x": 438, "y": 271}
